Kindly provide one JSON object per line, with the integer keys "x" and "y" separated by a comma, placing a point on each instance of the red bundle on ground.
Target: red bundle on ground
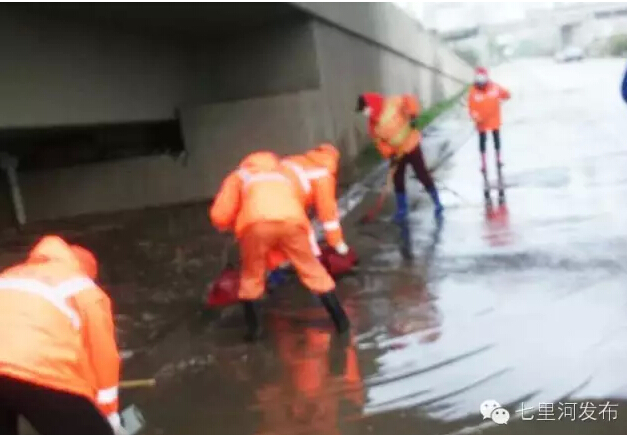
{"x": 224, "y": 289}
{"x": 337, "y": 264}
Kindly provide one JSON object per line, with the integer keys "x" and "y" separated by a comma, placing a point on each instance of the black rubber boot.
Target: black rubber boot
{"x": 335, "y": 310}
{"x": 338, "y": 354}
{"x": 252, "y": 317}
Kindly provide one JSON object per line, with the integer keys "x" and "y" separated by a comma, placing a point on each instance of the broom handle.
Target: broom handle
{"x": 136, "y": 383}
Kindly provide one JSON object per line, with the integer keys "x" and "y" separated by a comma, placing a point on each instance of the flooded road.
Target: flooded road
{"x": 524, "y": 304}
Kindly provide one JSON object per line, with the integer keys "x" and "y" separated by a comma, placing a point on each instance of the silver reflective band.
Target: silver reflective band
{"x": 249, "y": 178}
{"x": 313, "y": 243}
{"x": 107, "y": 395}
{"x": 301, "y": 174}
{"x": 317, "y": 173}
{"x": 331, "y": 225}
{"x": 56, "y": 295}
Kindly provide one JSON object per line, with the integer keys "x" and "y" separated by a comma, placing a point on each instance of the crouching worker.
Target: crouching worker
{"x": 260, "y": 203}
{"x": 316, "y": 171}
{"x": 59, "y": 363}
{"x": 391, "y": 123}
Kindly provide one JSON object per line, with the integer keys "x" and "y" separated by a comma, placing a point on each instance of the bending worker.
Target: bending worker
{"x": 316, "y": 171}
{"x": 391, "y": 123}
{"x": 59, "y": 363}
{"x": 484, "y": 105}
{"x": 260, "y": 202}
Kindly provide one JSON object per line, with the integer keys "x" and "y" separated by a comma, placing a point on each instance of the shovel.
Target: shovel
{"x": 138, "y": 383}
{"x": 132, "y": 420}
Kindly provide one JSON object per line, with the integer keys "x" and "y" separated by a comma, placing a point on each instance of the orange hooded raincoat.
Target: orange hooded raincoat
{"x": 390, "y": 123}
{"x": 261, "y": 202}
{"x": 316, "y": 171}
{"x": 484, "y": 106}
{"x": 56, "y": 325}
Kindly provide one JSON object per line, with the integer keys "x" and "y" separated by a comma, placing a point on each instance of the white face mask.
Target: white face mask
{"x": 481, "y": 79}
{"x": 367, "y": 112}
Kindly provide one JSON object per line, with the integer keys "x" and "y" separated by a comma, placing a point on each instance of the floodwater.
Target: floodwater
{"x": 524, "y": 304}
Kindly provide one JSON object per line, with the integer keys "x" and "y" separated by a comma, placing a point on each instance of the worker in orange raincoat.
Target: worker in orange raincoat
{"x": 319, "y": 377}
{"x": 316, "y": 171}
{"x": 484, "y": 105}
{"x": 260, "y": 202}
{"x": 59, "y": 363}
{"x": 391, "y": 123}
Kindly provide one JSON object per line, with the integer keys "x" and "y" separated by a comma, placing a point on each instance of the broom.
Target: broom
{"x": 374, "y": 211}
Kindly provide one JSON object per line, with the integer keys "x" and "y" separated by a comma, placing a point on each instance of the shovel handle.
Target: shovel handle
{"x": 137, "y": 383}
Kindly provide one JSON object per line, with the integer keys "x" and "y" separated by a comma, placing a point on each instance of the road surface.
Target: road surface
{"x": 525, "y": 305}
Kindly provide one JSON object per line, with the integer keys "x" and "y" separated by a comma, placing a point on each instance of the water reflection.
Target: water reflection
{"x": 319, "y": 381}
{"x": 497, "y": 229}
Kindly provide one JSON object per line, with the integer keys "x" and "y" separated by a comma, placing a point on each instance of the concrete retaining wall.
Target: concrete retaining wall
{"x": 217, "y": 136}
{"x": 282, "y": 87}
{"x": 58, "y": 73}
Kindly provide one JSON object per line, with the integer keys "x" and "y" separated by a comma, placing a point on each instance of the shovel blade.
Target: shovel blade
{"x": 132, "y": 419}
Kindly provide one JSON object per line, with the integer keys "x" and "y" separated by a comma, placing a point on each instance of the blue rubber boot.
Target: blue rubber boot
{"x": 276, "y": 278}
{"x": 401, "y": 207}
{"x": 433, "y": 193}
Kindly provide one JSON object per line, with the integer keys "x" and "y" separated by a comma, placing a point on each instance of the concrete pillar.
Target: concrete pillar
{"x": 8, "y": 164}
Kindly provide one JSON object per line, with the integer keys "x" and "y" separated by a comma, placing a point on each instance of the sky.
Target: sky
{"x": 494, "y": 12}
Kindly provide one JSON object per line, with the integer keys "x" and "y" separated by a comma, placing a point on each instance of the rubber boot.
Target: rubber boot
{"x": 336, "y": 312}
{"x": 401, "y": 207}
{"x": 433, "y": 193}
{"x": 276, "y": 278}
{"x": 252, "y": 317}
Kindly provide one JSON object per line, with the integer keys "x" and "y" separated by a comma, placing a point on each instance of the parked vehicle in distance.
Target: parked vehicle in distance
{"x": 569, "y": 54}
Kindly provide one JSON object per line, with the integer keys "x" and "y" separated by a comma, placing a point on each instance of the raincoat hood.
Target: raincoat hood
{"x": 325, "y": 155}
{"x": 262, "y": 161}
{"x": 481, "y": 76}
{"x": 375, "y": 102}
{"x": 54, "y": 248}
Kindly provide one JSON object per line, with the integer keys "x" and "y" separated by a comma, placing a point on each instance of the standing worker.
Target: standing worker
{"x": 316, "y": 171}
{"x": 260, "y": 203}
{"x": 391, "y": 123}
{"x": 59, "y": 363}
{"x": 484, "y": 105}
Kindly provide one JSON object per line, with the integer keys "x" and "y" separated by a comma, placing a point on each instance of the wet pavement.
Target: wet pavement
{"x": 524, "y": 304}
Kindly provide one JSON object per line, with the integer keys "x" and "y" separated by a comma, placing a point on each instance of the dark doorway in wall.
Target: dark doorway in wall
{"x": 66, "y": 146}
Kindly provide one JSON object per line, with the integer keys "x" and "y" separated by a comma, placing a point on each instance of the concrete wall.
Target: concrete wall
{"x": 282, "y": 87}
{"x": 386, "y": 25}
{"x": 277, "y": 59}
{"x": 67, "y": 72}
{"x": 55, "y": 72}
{"x": 217, "y": 136}
{"x": 232, "y": 97}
